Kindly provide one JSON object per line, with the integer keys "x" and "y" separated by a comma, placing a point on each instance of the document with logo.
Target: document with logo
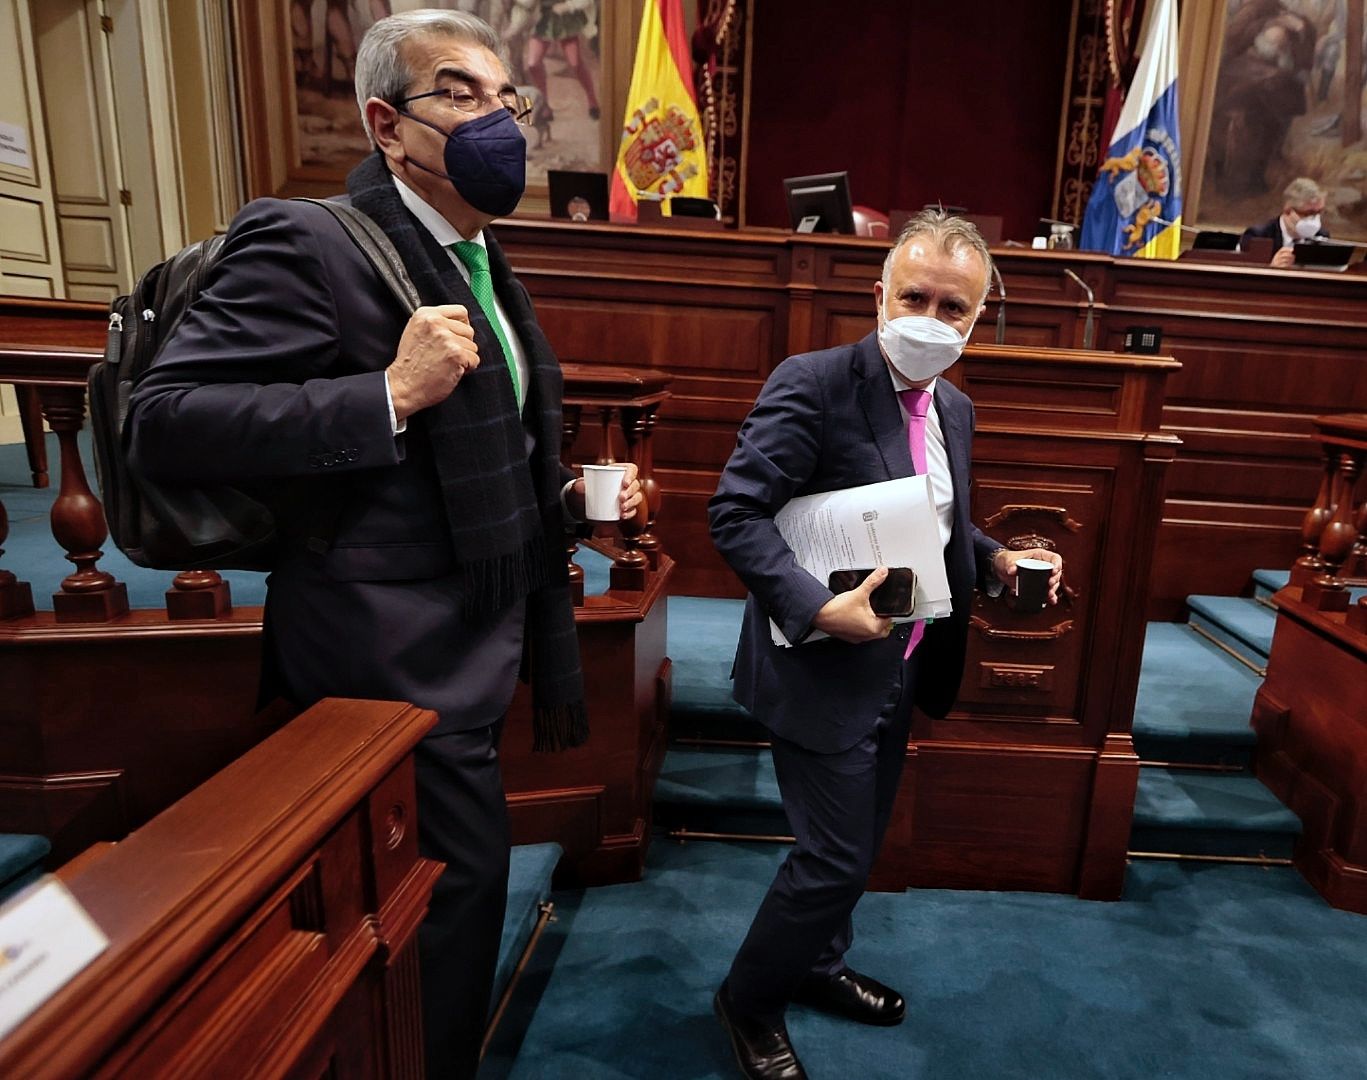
{"x": 893, "y": 523}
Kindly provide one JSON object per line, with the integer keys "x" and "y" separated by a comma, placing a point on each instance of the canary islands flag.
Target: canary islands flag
{"x": 662, "y": 151}
{"x": 1136, "y": 205}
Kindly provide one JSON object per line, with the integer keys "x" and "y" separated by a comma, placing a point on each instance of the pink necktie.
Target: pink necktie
{"x": 917, "y": 404}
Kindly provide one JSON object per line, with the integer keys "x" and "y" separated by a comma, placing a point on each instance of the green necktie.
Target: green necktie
{"x": 475, "y": 258}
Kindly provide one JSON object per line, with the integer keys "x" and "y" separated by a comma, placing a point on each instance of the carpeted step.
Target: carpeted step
{"x": 1238, "y": 621}
{"x": 1267, "y": 582}
{"x": 701, "y": 645}
{"x": 1193, "y": 813}
{"x": 719, "y": 790}
{"x": 21, "y": 860}
{"x": 1194, "y": 700}
{"x": 529, "y": 886}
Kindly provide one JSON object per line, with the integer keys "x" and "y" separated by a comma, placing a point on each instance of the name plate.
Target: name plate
{"x": 46, "y": 938}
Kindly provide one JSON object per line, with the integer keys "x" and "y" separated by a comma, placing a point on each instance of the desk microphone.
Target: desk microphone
{"x": 1001, "y": 304}
{"x": 1181, "y": 225}
{"x": 1091, "y": 303}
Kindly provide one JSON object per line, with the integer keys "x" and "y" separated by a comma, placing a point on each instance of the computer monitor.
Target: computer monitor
{"x": 578, "y": 196}
{"x": 820, "y": 203}
{"x": 1214, "y": 240}
{"x": 1322, "y": 255}
{"x": 692, "y": 206}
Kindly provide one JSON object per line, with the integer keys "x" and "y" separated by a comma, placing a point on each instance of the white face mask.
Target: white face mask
{"x": 1307, "y": 227}
{"x": 918, "y": 346}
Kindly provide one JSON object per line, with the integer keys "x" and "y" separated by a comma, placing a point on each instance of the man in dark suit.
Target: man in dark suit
{"x": 1302, "y": 205}
{"x": 840, "y": 709}
{"x": 413, "y": 464}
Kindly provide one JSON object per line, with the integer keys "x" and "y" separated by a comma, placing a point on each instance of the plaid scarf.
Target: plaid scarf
{"x": 502, "y": 508}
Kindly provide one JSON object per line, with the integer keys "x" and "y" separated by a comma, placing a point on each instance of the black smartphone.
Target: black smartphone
{"x": 895, "y": 598}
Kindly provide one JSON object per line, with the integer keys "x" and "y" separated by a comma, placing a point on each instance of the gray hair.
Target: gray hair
{"x": 382, "y": 70}
{"x": 1300, "y": 191}
{"x": 953, "y": 234}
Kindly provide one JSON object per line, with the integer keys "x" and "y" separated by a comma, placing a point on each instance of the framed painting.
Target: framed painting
{"x": 1277, "y": 91}
{"x": 301, "y": 125}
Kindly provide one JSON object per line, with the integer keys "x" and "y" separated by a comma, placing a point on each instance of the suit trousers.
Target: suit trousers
{"x": 838, "y": 806}
{"x": 463, "y": 822}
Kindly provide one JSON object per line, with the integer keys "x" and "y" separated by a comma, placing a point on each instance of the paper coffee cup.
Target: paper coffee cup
{"x": 603, "y": 491}
{"x": 1032, "y": 584}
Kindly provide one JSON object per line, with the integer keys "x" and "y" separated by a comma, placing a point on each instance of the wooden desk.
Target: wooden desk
{"x": 1263, "y": 352}
{"x": 1029, "y": 782}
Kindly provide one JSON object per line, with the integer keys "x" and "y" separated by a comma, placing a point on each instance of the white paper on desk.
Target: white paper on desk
{"x": 893, "y": 523}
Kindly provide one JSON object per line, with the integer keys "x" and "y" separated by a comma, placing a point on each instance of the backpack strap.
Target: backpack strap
{"x": 385, "y": 260}
{"x": 376, "y": 247}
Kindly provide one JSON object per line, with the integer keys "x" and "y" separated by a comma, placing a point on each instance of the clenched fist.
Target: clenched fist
{"x": 436, "y": 350}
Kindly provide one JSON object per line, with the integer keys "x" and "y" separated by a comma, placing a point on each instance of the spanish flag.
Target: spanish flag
{"x": 662, "y": 151}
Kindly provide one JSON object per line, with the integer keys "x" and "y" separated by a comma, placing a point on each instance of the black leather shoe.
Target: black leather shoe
{"x": 853, "y": 995}
{"x": 762, "y": 1052}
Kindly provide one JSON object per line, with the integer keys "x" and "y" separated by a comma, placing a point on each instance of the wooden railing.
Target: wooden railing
{"x": 628, "y": 400}
{"x": 614, "y": 399}
{"x": 264, "y": 925}
{"x": 1334, "y": 535}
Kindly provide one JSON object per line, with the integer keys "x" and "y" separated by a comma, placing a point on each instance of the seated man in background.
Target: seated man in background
{"x": 1302, "y": 205}
{"x": 840, "y": 710}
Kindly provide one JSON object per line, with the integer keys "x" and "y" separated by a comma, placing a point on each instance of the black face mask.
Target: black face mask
{"x": 486, "y": 161}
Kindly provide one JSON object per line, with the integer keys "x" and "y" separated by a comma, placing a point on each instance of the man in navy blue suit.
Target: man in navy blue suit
{"x": 412, "y": 464}
{"x": 840, "y": 709}
{"x": 1302, "y": 204}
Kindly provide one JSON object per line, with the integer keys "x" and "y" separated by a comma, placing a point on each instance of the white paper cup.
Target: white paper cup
{"x": 603, "y": 492}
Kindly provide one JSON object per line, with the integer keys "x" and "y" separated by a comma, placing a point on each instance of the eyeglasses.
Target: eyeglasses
{"x": 469, "y": 100}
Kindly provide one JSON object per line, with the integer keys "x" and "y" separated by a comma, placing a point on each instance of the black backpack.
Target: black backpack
{"x": 166, "y": 526}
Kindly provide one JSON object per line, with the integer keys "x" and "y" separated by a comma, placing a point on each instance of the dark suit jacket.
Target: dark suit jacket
{"x": 275, "y": 378}
{"x": 825, "y": 421}
{"x": 1271, "y": 230}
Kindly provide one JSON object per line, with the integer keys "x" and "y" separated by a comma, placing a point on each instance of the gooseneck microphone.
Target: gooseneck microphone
{"x": 1001, "y": 304}
{"x": 1091, "y": 304}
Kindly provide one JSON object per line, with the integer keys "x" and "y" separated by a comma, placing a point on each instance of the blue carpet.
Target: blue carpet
{"x": 1194, "y": 699}
{"x": 702, "y": 644}
{"x": 529, "y": 884}
{"x": 21, "y": 861}
{"x": 712, "y": 789}
{"x": 1212, "y": 973}
{"x": 1266, "y": 582}
{"x": 1202, "y": 813}
{"x": 1239, "y": 621}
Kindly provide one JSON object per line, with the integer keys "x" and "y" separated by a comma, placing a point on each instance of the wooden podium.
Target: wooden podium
{"x": 1029, "y": 783}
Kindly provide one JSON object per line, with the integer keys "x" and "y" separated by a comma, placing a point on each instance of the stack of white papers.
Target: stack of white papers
{"x": 889, "y": 524}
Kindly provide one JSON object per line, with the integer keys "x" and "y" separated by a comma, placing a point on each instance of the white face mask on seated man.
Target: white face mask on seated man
{"x": 919, "y": 347}
{"x": 1308, "y": 227}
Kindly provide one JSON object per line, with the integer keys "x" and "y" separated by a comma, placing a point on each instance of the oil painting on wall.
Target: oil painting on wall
{"x": 1287, "y": 102}
{"x": 553, "y": 49}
